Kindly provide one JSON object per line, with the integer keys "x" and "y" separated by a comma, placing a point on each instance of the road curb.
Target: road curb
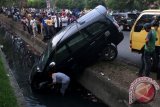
{"x": 107, "y": 90}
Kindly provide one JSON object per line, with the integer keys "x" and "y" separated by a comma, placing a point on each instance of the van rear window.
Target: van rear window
{"x": 96, "y": 29}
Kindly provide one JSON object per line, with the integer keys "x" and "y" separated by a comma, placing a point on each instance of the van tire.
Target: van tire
{"x": 34, "y": 85}
{"x": 110, "y": 53}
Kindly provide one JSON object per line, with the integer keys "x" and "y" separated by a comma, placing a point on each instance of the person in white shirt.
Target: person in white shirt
{"x": 57, "y": 22}
{"x": 63, "y": 79}
{"x": 64, "y": 21}
{"x": 33, "y": 23}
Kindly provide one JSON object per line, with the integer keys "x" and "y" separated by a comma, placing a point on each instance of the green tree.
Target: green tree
{"x": 81, "y": 4}
{"x": 36, "y": 3}
{"x": 131, "y": 4}
{"x": 8, "y": 2}
{"x": 93, "y": 3}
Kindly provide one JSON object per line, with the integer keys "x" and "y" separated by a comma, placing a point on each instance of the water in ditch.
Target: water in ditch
{"x": 21, "y": 58}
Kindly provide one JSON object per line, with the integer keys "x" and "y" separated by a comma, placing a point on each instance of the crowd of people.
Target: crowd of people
{"x": 46, "y": 22}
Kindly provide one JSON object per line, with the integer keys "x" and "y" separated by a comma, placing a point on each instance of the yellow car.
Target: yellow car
{"x": 138, "y": 34}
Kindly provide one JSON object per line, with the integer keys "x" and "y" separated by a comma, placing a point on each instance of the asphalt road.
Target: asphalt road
{"x": 124, "y": 51}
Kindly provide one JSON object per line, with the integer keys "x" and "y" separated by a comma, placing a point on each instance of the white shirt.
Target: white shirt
{"x": 60, "y": 78}
{"x": 33, "y": 23}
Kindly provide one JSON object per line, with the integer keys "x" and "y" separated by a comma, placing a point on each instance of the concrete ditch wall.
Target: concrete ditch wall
{"x": 14, "y": 84}
{"x": 109, "y": 81}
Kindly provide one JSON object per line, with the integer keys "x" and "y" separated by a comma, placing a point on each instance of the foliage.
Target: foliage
{"x": 8, "y": 2}
{"x": 36, "y": 3}
{"x": 93, "y": 3}
{"x": 132, "y": 4}
{"x": 7, "y": 98}
{"x": 70, "y": 4}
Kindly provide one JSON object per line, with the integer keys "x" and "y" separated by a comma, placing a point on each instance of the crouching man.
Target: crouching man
{"x": 63, "y": 79}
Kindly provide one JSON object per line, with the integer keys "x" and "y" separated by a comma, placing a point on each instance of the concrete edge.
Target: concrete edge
{"x": 107, "y": 91}
{"x": 13, "y": 82}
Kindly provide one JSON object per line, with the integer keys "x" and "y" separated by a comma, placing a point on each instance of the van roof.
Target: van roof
{"x": 151, "y": 10}
{"x": 82, "y": 22}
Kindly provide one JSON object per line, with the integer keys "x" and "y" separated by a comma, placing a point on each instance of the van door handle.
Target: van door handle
{"x": 70, "y": 59}
{"x": 92, "y": 43}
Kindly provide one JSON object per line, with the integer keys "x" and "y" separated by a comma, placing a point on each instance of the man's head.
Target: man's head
{"x": 155, "y": 25}
{"x": 154, "y": 17}
{"x": 147, "y": 27}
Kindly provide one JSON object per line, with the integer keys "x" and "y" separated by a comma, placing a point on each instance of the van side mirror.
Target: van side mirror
{"x": 138, "y": 28}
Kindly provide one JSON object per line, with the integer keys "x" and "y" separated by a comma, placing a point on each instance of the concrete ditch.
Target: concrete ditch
{"x": 13, "y": 82}
{"x": 109, "y": 81}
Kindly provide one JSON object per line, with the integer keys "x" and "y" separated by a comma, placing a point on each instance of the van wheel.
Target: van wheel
{"x": 34, "y": 85}
{"x": 110, "y": 53}
{"x": 36, "y": 80}
{"x": 39, "y": 85}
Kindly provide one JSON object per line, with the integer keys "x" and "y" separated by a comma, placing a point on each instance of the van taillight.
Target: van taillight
{"x": 118, "y": 27}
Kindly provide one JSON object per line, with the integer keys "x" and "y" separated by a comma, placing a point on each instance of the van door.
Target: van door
{"x": 138, "y": 34}
{"x": 95, "y": 35}
{"x": 87, "y": 43}
{"x": 63, "y": 58}
{"x": 77, "y": 45}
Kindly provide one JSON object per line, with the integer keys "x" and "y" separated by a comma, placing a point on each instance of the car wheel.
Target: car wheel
{"x": 110, "y": 53}
{"x": 35, "y": 84}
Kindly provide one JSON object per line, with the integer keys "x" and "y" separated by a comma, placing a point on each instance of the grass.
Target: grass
{"x": 7, "y": 97}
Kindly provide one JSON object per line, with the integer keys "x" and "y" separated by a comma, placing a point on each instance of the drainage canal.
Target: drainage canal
{"x": 21, "y": 58}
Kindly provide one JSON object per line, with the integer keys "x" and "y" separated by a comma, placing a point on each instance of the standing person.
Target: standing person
{"x": 38, "y": 25}
{"x": 44, "y": 27}
{"x": 58, "y": 23}
{"x": 155, "y": 60}
{"x": 64, "y": 21}
{"x": 50, "y": 29}
{"x": 149, "y": 49}
{"x": 23, "y": 21}
{"x": 156, "y": 66}
{"x": 33, "y": 23}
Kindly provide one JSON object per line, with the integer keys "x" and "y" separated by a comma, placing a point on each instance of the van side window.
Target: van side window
{"x": 77, "y": 42}
{"x": 96, "y": 29}
{"x": 61, "y": 54}
{"x": 144, "y": 19}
